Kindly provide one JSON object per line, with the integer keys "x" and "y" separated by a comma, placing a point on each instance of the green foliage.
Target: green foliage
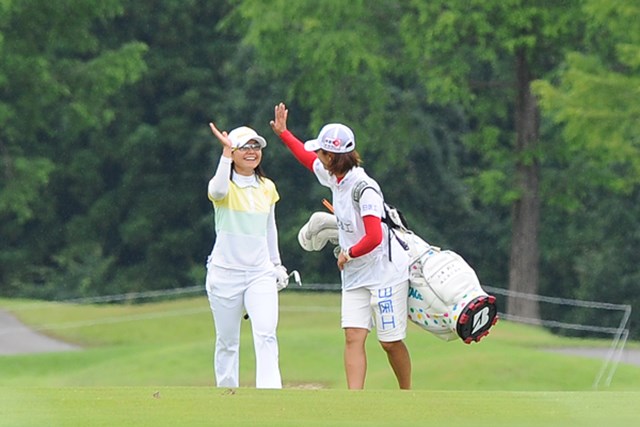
{"x": 333, "y": 60}
{"x": 464, "y": 53}
{"x": 95, "y": 81}
{"x": 594, "y": 90}
{"x": 592, "y": 103}
{"x": 592, "y": 254}
{"x": 57, "y": 82}
{"x": 350, "y": 66}
{"x": 598, "y": 109}
{"x": 24, "y": 178}
{"x": 105, "y": 151}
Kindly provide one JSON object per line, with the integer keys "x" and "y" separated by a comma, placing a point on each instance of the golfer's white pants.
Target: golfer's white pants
{"x": 229, "y": 292}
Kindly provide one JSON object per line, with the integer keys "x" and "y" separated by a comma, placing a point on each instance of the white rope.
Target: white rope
{"x": 113, "y": 298}
{"x": 556, "y": 324}
{"x": 620, "y": 334}
{"x": 155, "y": 315}
{"x": 555, "y": 300}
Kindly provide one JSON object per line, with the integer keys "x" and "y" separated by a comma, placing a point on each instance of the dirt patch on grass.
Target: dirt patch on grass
{"x": 305, "y": 386}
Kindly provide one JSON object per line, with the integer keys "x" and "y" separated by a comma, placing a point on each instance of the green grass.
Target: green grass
{"x": 131, "y": 352}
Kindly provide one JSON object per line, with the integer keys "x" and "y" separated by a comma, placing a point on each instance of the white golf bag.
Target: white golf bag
{"x": 445, "y": 296}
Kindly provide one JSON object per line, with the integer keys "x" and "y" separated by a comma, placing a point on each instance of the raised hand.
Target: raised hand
{"x": 279, "y": 124}
{"x": 222, "y": 136}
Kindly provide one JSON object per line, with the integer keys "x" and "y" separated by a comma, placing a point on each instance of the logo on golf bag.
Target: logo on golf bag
{"x": 480, "y": 319}
{"x": 413, "y": 293}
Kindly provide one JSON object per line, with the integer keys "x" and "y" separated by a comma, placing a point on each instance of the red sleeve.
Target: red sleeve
{"x": 372, "y": 237}
{"x": 297, "y": 148}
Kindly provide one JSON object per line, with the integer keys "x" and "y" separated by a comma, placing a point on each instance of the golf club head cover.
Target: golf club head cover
{"x": 322, "y": 228}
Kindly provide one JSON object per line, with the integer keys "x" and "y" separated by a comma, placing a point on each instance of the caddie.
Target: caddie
{"x": 374, "y": 287}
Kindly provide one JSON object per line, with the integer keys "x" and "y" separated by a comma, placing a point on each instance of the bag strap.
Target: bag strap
{"x": 359, "y": 188}
{"x": 356, "y": 195}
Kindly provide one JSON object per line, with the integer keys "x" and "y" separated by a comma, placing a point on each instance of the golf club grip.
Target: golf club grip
{"x": 327, "y": 204}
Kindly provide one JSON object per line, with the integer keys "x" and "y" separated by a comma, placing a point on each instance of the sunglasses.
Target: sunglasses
{"x": 252, "y": 146}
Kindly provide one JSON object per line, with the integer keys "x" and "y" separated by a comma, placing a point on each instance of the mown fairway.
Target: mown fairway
{"x": 205, "y": 406}
{"x": 150, "y": 364}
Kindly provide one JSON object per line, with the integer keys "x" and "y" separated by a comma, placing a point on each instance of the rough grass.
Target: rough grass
{"x": 150, "y": 365}
{"x": 171, "y": 343}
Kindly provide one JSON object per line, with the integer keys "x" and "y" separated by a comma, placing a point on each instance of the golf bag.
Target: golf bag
{"x": 445, "y": 295}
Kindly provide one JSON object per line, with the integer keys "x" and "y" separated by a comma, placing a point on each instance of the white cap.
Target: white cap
{"x": 333, "y": 137}
{"x": 240, "y": 136}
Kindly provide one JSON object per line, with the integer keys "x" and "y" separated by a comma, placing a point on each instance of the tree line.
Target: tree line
{"x": 506, "y": 130}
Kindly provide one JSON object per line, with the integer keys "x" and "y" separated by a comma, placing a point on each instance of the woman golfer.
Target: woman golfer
{"x": 244, "y": 266}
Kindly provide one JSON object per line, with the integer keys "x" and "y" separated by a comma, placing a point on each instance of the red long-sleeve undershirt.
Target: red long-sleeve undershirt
{"x": 371, "y": 238}
{"x": 297, "y": 148}
{"x": 372, "y": 224}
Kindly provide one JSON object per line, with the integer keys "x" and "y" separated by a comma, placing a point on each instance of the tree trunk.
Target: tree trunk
{"x": 525, "y": 257}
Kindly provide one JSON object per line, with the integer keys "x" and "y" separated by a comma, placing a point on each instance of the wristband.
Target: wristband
{"x": 347, "y": 254}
